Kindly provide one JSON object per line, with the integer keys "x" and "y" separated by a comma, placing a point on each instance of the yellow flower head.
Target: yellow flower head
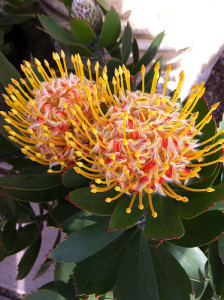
{"x": 146, "y": 141}
{"x": 46, "y": 114}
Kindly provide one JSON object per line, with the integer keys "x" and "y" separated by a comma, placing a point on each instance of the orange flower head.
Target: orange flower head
{"x": 46, "y": 114}
{"x": 145, "y": 142}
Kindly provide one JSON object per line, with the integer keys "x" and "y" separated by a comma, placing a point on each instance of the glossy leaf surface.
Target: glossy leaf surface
{"x": 149, "y": 54}
{"x": 44, "y": 294}
{"x": 98, "y": 273}
{"x": 63, "y": 280}
{"x": 120, "y": 219}
{"x": 82, "y": 32}
{"x": 167, "y": 225}
{"x": 173, "y": 282}
{"x": 136, "y": 277}
{"x": 93, "y": 203}
{"x": 84, "y": 243}
{"x": 110, "y": 30}
{"x": 202, "y": 230}
{"x": 56, "y": 31}
{"x": 215, "y": 270}
{"x": 192, "y": 260}
{"x": 126, "y": 43}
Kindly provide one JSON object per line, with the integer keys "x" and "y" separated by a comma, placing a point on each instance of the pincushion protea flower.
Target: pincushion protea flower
{"x": 43, "y": 117}
{"x": 145, "y": 142}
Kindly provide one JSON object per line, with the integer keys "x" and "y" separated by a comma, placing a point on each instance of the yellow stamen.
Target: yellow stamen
{"x": 140, "y": 206}
{"x": 143, "y": 78}
{"x": 49, "y": 69}
{"x": 214, "y": 107}
{"x": 26, "y": 85}
{"x": 128, "y": 210}
{"x": 208, "y": 119}
{"x": 97, "y": 73}
{"x": 103, "y": 189}
{"x": 168, "y": 70}
{"x": 56, "y": 57}
{"x": 194, "y": 190}
{"x": 90, "y": 176}
{"x": 155, "y": 78}
{"x": 99, "y": 181}
{"x": 212, "y": 138}
{"x": 206, "y": 164}
{"x": 178, "y": 90}
{"x": 108, "y": 200}
{"x": 89, "y": 69}
{"x": 64, "y": 63}
{"x": 127, "y": 79}
{"x": 81, "y": 165}
{"x": 42, "y": 71}
{"x": 154, "y": 214}
{"x": 94, "y": 131}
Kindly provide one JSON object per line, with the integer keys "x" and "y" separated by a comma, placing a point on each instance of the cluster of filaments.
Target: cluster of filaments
{"x": 139, "y": 146}
{"x": 43, "y": 117}
{"x": 147, "y": 141}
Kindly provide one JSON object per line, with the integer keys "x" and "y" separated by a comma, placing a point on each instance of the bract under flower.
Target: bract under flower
{"x": 43, "y": 115}
{"x": 145, "y": 142}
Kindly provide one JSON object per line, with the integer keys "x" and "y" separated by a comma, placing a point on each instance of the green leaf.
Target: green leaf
{"x": 63, "y": 280}
{"x": 217, "y": 206}
{"x": 110, "y": 30}
{"x": 167, "y": 225}
{"x": 9, "y": 207}
{"x": 199, "y": 202}
{"x": 37, "y": 195}
{"x": 9, "y": 235}
{"x": 20, "y": 163}
{"x": 25, "y": 237}
{"x": 114, "y": 50}
{"x": 126, "y": 43}
{"x": 135, "y": 51}
{"x": 112, "y": 64}
{"x": 13, "y": 18}
{"x": 44, "y": 294}
{"x": 202, "y": 290}
{"x": 136, "y": 277}
{"x": 31, "y": 182}
{"x": 63, "y": 211}
{"x": 192, "y": 260}
{"x": 77, "y": 222}
{"x": 48, "y": 262}
{"x": 94, "y": 203}
{"x": 120, "y": 219}
{"x": 98, "y": 273}
{"x": 28, "y": 259}
{"x": 79, "y": 49}
{"x": 173, "y": 282}
{"x": 104, "y": 4}
{"x": 215, "y": 270}
{"x": 84, "y": 243}
{"x": 72, "y": 179}
{"x": 56, "y": 31}
{"x": 149, "y": 54}
{"x": 202, "y": 230}
{"x": 82, "y": 32}
{"x": 7, "y": 71}
{"x": 49, "y": 286}
{"x": 221, "y": 247}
